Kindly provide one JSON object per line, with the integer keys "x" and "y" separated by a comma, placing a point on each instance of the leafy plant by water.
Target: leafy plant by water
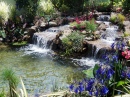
{"x": 73, "y": 43}
{"x": 8, "y": 75}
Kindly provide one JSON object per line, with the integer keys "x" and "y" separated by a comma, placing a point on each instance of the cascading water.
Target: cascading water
{"x": 96, "y": 52}
{"x": 40, "y": 41}
{"x": 110, "y": 34}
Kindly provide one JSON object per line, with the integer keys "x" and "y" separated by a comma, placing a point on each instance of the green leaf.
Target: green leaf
{"x": 2, "y": 33}
{"x": 124, "y": 82}
{"x": 89, "y": 73}
{"x": 96, "y": 67}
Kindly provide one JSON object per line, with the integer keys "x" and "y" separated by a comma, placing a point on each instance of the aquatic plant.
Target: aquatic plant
{"x": 8, "y": 75}
{"x": 22, "y": 91}
{"x": 2, "y": 93}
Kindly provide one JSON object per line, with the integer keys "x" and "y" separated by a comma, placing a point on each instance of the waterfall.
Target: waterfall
{"x": 96, "y": 52}
{"x": 40, "y": 41}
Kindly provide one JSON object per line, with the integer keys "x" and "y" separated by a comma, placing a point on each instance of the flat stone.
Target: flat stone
{"x": 101, "y": 43}
{"x": 89, "y": 38}
{"x": 48, "y": 35}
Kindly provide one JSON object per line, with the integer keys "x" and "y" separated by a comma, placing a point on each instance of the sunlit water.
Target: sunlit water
{"x": 39, "y": 69}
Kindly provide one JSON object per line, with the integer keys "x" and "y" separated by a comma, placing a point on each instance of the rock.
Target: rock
{"x": 56, "y": 43}
{"x": 97, "y": 33}
{"x": 102, "y": 26}
{"x": 1, "y": 39}
{"x": 89, "y": 38}
{"x": 52, "y": 24}
{"x": 43, "y": 24}
{"x": 30, "y": 33}
{"x": 84, "y": 32}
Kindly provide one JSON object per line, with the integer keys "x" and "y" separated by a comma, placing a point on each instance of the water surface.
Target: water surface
{"x": 39, "y": 69}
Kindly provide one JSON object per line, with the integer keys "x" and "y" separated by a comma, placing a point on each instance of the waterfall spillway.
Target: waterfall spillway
{"x": 43, "y": 39}
{"x": 40, "y": 41}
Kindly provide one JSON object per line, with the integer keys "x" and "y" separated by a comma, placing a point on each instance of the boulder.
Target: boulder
{"x": 102, "y": 26}
{"x": 88, "y": 38}
{"x": 52, "y": 24}
{"x": 84, "y": 32}
{"x": 56, "y": 43}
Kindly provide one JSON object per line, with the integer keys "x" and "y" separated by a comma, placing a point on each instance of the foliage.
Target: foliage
{"x": 126, "y": 6}
{"x": 23, "y": 91}
{"x": 9, "y": 76}
{"x": 72, "y": 5}
{"x": 28, "y": 8}
{"x": 104, "y": 7}
{"x": 45, "y": 7}
{"x": 113, "y": 19}
{"x": 19, "y": 43}
{"x": 91, "y": 26}
{"x": 73, "y": 43}
{"x": 110, "y": 75}
{"x": 119, "y": 18}
{"x": 126, "y": 34}
{"x": 4, "y": 11}
{"x": 2, "y": 94}
{"x": 13, "y": 29}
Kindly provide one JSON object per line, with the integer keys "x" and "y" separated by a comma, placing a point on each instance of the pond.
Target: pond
{"x": 39, "y": 69}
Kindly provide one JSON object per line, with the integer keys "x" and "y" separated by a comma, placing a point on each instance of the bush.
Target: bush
{"x": 91, "y": 26}
{"x": 4, "y": 11}
{"x": 119, "y": 18}
{"x": 73, "y": 43}
{"x": 45, "y": 7}
{"x": 64, "y": 5}
{"x": 126, "y": 6}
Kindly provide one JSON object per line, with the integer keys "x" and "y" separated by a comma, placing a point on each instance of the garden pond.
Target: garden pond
{"x": 39, "y": 69}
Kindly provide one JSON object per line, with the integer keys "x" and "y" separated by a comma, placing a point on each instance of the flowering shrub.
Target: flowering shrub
{"x": 89, "y": 26}
{"x": 109, "y": 75}
{"x": 126, "y": 54}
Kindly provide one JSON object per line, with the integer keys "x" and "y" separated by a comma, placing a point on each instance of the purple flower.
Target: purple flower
{"x": 76, "y": 90}
{"x": 126, "y": 73}
{"x": 112, "y": 46}
{"x": 71, "y": 87}
{"x": 104, "y": 72}
{"x": 104, "y": 90}
{"x": 110, "y": 72}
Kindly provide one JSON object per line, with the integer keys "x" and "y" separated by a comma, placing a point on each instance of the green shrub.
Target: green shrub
{"x": 8, "y": 75}
{"x": 73, "y": 43}
{"x": 126, "y": 34}
{"x": 119, "y": 18}
{"x": 45, "y": 7}
{"x": 126, "y": 6}
{"x": 2, "y": 94}
{"x": 113, "y": 19}
{"x": 91, "y": 26}
{"x": 4, "y": 11}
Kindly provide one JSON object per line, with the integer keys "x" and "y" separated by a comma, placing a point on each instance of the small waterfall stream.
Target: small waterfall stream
{"x": 94, "y": 52}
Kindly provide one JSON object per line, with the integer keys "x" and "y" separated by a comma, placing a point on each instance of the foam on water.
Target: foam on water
{"x": 86, "y": 62}
{"x": 35, "y": 49}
